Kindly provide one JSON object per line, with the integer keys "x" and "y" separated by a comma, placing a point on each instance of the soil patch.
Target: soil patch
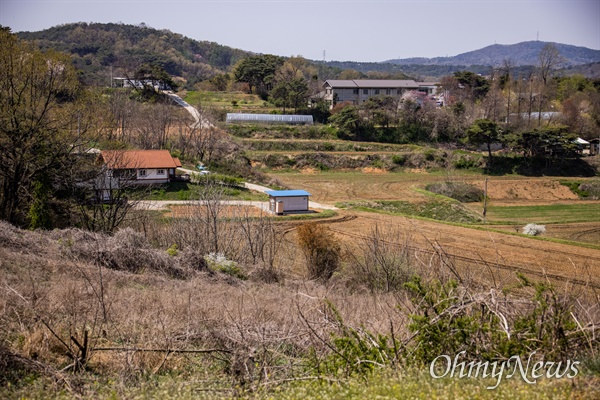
{"x": 529, "y": 189}
{"x": 226, "y": 212}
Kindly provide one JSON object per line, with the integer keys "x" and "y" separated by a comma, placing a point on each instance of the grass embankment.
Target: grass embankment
{"x": 545, "y": 214}
{"x": 436, "y": 208}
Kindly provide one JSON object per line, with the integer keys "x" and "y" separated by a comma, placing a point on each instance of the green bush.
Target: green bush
{"x": 219, "y": 263}
{"x": 327, "y": 146}
{"x": 399, "y": 159}
{"x": 224, "y": 180}
{"x": 464, "y": 162}
{"x": 355, "y": 351}
{"x": 429, "y": 154}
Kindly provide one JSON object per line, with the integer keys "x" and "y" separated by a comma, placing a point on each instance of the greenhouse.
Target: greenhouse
{"x": 269, "y": 119}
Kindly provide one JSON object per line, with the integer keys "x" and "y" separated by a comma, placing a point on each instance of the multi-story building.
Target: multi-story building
{"x": 358, "y": 91}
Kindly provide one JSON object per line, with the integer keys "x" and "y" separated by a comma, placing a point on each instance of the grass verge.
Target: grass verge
{"x": 437, "y": 208}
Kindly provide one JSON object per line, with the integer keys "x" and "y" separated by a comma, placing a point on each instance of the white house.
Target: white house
{"x": 140, "y": 166}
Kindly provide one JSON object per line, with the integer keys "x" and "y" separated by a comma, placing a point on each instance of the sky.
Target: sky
{"x": 360, "y": 30}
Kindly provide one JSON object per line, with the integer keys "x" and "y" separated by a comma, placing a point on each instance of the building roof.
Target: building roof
{"x": 270, "y": 118}
{"x": 136, "y": 159}
{"x": 371, "y": 83}
{"x": 287, "y": 193}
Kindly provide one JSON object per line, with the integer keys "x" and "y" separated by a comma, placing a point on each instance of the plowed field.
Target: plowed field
{"x": 495, "y": 255}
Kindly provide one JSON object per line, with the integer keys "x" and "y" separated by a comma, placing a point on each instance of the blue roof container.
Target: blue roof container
{"x": 287, "y": 193}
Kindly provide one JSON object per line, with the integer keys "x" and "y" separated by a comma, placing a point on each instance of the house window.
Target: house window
{"x": 365, "y": 91}
{"x": 376, "y": 91}
{"x": 328, "y": 91}
{"x": 388, "y": 91}
{"x": 142, "y": 173}
{"x": 160, "y": 172}
{"x": 399, "y": 91}
{"x": 354, "y": 91}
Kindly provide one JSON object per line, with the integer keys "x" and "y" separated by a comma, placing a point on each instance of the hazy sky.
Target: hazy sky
{"x": 362, "y": 30}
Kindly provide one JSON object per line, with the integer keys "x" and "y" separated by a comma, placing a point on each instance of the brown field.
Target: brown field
{"x": 490, "y": 254}
{"x": 495, "y": 255}
{"x": 371, "y": 184}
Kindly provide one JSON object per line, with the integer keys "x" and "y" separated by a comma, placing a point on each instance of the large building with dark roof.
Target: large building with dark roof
{"x": 357, "y": 91}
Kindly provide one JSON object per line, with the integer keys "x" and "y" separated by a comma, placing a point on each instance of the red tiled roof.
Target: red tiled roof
{"x": 177, "y": 162}
{"x": 135, "y": 159}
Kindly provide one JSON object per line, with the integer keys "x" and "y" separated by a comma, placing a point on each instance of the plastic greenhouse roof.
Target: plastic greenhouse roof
{"x": 272, "y": 118}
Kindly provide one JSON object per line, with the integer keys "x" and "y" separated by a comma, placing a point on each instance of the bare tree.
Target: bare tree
{"x": 105, "y": 197}
{"x": 42, "y": 121}
{"x": 383, "y": 260}
{"x": 548, "y": 59}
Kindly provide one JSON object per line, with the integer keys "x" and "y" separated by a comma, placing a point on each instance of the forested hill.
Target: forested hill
{"x": 98, "y": 47}
{"x": 524, "y": 53}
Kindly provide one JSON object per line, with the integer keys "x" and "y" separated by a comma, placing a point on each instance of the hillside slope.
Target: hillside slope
{"x": 96, "y": 48}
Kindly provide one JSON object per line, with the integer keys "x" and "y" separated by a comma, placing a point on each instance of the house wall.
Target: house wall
{"x": 360, "y": 95}
{"x": 151, "y": 175}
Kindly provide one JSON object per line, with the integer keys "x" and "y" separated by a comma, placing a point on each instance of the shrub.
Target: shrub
{"x": 429, "y": 154}
{"x": 591, "y": 189}
{"x": 321, "y": 250}
{"x": 383, "y": 263}
{"x": 461, "y": 191}
{"x": 327, "y": 146}
{"x": 399, "y": 159}
{"x": 534, "y": 229}
{"x": 172, "y": 251}
{"x": 464, "y": 162}
{"x": 219, "y": 263}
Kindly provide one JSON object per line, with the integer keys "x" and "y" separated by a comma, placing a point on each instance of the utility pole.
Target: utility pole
{"x": 485, "y": 191}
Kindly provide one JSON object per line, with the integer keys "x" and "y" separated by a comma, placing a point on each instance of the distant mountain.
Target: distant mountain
{"x": 524, "y": 53}
{"x": 96, "y": 48}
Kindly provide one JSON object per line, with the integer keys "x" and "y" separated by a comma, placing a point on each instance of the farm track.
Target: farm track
{"x": 578, "y": 235}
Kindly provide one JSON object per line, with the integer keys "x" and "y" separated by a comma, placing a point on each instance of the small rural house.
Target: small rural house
{"x": 357, "y": 91}
{"x": 140, "y": 166}
{"x": 282, "y": 201}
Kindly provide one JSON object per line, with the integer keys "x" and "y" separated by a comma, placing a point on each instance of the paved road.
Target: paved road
{"x": 250, "y": 186}
{"x": 200, "y": 120}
